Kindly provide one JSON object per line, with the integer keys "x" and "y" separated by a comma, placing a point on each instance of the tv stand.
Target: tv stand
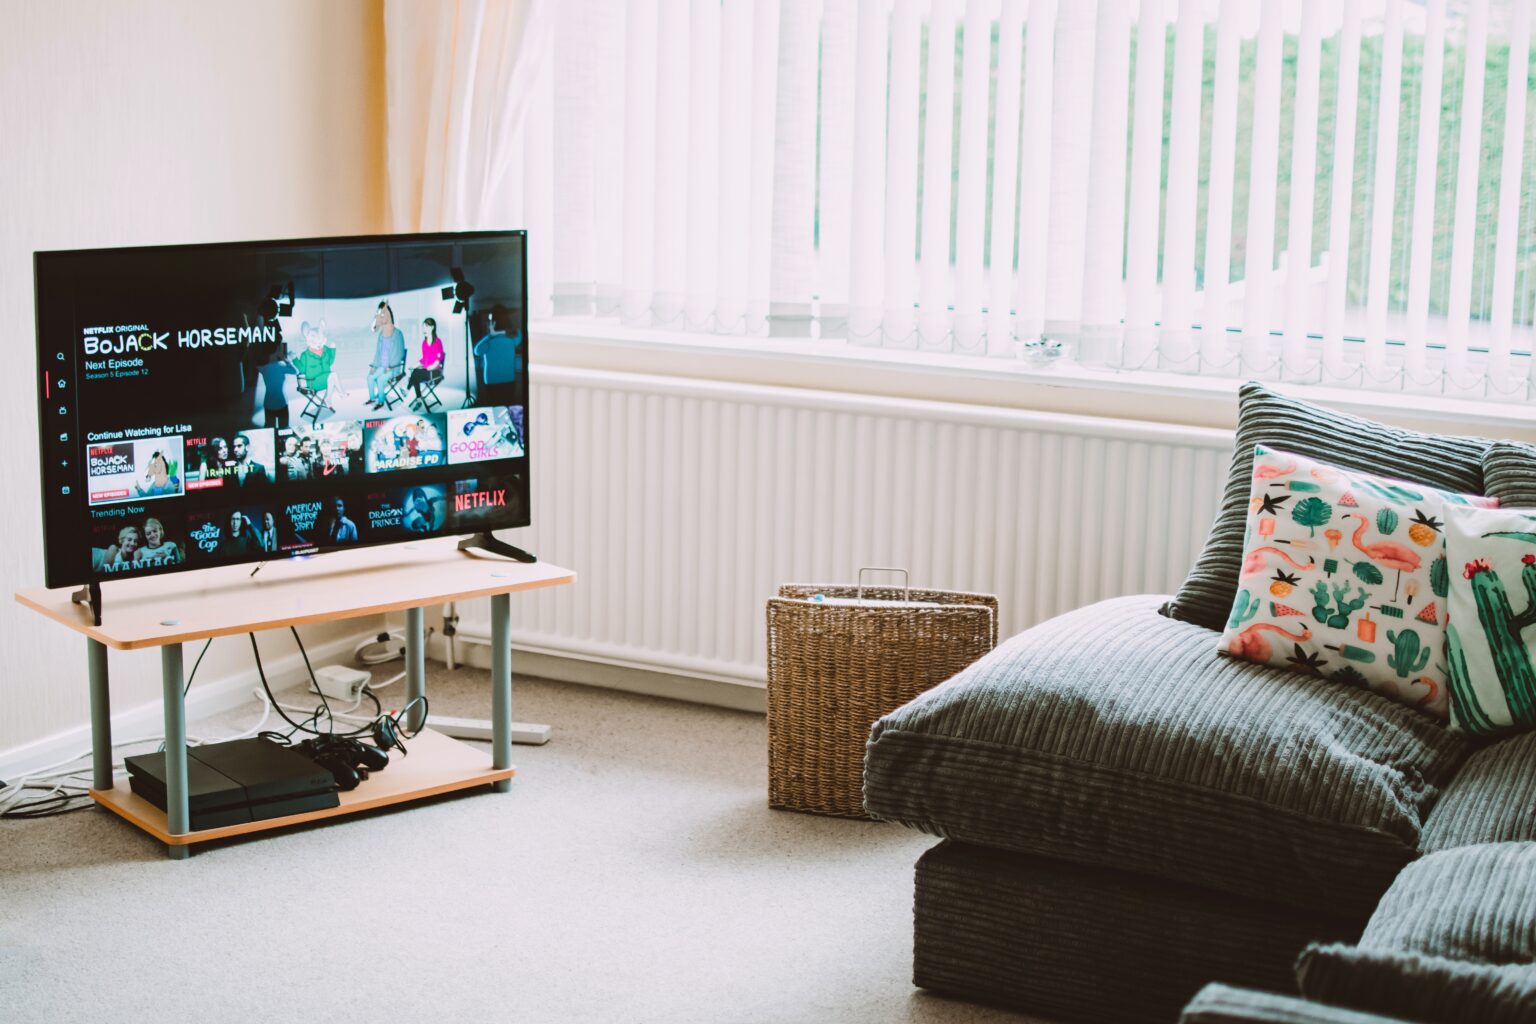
{"x": 89, "y": 594}
{"x": 167, "y": 612}
{"x": 487, "y": 541}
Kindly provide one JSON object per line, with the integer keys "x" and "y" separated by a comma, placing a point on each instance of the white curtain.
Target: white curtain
{"x": 1315, "y": 191}
{"x": 460, "y": 77}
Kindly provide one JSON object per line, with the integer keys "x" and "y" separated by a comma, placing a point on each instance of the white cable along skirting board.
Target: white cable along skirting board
{"x": 683, "y": 504}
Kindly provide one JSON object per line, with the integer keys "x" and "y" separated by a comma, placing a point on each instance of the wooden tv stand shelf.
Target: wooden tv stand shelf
{"x": 168, "y": 611}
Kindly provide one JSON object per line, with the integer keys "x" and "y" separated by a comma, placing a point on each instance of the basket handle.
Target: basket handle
{"x": 906, "y": 580}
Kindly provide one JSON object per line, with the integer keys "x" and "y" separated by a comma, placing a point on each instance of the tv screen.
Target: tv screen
{"x": 209, "y": 404}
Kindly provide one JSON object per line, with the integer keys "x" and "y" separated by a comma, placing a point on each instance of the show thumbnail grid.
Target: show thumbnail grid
{"x": 247, "y": 470}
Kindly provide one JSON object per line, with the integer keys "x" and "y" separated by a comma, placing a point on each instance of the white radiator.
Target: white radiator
{"x": 683, "y": 504}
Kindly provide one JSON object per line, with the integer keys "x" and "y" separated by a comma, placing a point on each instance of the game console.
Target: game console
{"x": 238, "y": 781}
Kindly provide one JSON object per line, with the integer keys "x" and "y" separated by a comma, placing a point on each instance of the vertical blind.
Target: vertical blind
{"x": 1325, "y": 191}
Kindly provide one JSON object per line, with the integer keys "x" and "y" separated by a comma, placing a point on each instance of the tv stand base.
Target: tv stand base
{"x": 487, "y": 542}
{"x": 90, "y": 595}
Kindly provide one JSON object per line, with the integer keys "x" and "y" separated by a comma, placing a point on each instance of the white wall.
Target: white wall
{"x": 150, "y": 122}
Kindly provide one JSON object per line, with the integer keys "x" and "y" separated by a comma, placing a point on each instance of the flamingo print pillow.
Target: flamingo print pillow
{"x": 1345, "y": 577}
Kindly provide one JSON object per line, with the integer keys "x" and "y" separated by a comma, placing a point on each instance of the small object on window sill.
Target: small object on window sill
{"x": 1042, "y": 351}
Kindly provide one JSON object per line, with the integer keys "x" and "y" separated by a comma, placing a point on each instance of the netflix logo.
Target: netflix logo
{"x": 486, "y": 502}
{"x": 479, "y": 499}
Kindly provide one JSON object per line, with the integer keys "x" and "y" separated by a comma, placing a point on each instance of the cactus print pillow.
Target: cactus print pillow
{"x": 1345, "y": 576}
{"x": 1491, "y": 641}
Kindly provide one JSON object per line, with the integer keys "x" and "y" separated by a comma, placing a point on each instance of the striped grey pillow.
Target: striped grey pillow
{"x": 1451, "y": 941}
{"x": 1489, "y": 799}
{"x": 1273, "y": 420}
{"x": 1509, "y": 468}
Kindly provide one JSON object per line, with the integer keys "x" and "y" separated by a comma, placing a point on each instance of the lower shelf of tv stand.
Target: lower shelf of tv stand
{"x": 436, "y": 764}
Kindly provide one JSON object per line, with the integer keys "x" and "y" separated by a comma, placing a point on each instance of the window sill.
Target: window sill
{"x": 593, "y": 343}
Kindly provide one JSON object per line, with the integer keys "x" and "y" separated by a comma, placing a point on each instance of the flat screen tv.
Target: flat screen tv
{"x": 202, "y": 405}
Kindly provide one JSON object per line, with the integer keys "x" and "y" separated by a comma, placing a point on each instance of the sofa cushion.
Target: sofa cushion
{"x": 1454, "y": 939}
{"x": 1492, "y": 799}
{"x": 1088, "y": 944}
{"x": 1426, "y": 989}
{"x": 1223, "y": 1004}
{"x": 1509, "y": 474}
{"x": 1275, "y": 421}
{"x": 1475, "y": 903}
{"x": 1112, "y": 735}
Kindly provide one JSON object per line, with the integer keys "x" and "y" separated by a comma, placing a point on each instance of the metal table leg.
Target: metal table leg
{"x": 415, "y": 663}
{"x": 101, "y": 716}
{"x": 531, "y": 733}
{"x": 177, "y": 818}
{"x": 501, "y": 686}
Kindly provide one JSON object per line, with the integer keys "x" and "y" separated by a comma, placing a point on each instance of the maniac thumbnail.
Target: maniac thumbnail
{"x": 135, "y": 541}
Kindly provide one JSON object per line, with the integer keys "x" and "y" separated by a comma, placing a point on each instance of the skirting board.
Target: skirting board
{"x": 204, "y": 699}
{"x": 631, "y": 678}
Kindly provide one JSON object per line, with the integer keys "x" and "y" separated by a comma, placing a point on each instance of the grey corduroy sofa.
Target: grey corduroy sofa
{"x": 1128, "y": 816}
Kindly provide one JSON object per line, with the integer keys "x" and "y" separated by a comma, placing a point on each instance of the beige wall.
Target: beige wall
{"x": 147, "y": 122}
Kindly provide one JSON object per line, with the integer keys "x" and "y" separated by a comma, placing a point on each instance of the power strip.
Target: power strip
{"x": 480, "y": 729}
{"x": 338, "y": 682}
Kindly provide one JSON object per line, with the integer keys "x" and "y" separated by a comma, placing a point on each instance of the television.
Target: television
{"x": 203, "y": 405}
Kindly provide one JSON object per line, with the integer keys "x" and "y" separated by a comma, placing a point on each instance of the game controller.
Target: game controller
{"x": 348, "y": 760}
{"x": 347, "y": 778}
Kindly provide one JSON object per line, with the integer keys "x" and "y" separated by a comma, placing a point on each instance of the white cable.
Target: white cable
{"x": 14, "y": 797}
{"x": 11, "y": 792}
{"x": 344, "y": 716}
{"x": 391, "y": 681}
{"x": 388, "y": 654}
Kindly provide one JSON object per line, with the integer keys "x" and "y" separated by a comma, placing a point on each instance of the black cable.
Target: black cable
{"x": 378, "y": 709}
{"x": 199, "y": 661}
{"x": 26, "y": 813}
{"x": 325, "y": 709}
{"x": 273, "y": 699}
{"x": 56, "y": 804}
{"x": 188, "y": 688}
{"x": 49, "y": 806}
{"x": 307, "y": 667}
{"x": 405, "y": 712}
{"x": 310, "y": 724}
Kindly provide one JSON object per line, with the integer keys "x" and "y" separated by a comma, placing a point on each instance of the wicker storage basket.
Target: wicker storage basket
{"x": 835, "y": 668}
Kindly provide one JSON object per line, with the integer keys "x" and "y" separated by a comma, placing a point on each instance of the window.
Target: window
{"x": 1310, "y": 191}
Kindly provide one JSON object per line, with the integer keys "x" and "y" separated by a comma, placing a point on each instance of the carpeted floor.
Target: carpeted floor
{"x": 634, "y": 873}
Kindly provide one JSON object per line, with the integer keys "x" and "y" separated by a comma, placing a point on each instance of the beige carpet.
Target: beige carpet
{"x": 634, "y": 873}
